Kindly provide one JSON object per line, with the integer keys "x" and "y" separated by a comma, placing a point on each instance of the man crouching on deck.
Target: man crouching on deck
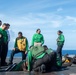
{"x": 39, "y": 58}
{"x": 21, "y": 45}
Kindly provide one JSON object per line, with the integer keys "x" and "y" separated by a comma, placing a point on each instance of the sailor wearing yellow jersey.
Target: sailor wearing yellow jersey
{"x": 21, "y": 45}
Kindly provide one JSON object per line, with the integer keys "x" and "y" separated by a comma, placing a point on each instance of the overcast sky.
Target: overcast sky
{"x": 48, "y": 15}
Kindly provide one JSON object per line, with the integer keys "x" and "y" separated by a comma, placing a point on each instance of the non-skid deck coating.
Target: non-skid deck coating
{"x": 68, "y": 71}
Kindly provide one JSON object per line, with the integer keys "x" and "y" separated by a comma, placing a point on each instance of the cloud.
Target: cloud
{"x": 40, "y": 19}
{"x": 59, "y": 9}
{"x": 56, "y": 24}
{"x": 32, "y": 19}
{"x": 74, "y": 31}
{"x": 1, "y": 15}
{"x": 71, "y": 18}
{"x": 36, "y": 20}
{"x": 69, "y": 21}
{"x": 23, "y": 7}
{"x": 47, "y": 22}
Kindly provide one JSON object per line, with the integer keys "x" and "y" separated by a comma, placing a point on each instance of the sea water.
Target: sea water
{"x": 70, "y": 52}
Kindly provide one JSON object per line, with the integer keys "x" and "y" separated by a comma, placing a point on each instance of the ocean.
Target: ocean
{"x": 70, "y": 52}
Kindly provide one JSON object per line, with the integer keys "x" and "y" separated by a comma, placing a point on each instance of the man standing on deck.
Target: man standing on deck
{"x": 4, "y": 44}
{"x": 0, "y": 42}
{"x": 38, "y": 38}
{"x": 21, "y": 45}
{"x": 60, "y": 43}
{"x": 8, "y": 34}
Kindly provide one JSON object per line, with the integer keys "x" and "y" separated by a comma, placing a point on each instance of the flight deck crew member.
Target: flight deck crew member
{"x": 38, "y": 38}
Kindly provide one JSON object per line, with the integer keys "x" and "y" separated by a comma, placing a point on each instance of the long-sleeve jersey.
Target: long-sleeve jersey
{"x": 38, "y": 38}
{"x": 30, "y": 57}
{"x": 4, "y": 34}
{"x": 60, "y": 40}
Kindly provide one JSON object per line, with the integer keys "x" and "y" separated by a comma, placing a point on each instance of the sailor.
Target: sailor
{"x": 21, "y": 46}
{"x": 38, "y": 38}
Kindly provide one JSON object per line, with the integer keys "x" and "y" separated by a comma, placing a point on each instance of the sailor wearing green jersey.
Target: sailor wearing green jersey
{"x": 4, "y": 44}
{"x": 1, "y": 40}
{"x": 60, "y": 43}
{"x": 38, "y": 56}
{"x": 38, "y": 38}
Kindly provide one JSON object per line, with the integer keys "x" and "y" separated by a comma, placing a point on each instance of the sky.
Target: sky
{"x": 48, "y": 15}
